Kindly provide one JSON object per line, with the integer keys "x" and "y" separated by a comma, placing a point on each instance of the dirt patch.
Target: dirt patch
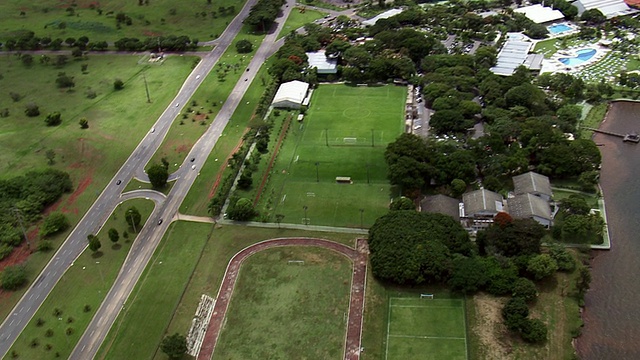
{"x": 183, "y": 148}
{"x": 18, "y": 256}
{"x": 489, "y": 327}
{"x": 224, "y": 165}
{"x": 82, "y": 186}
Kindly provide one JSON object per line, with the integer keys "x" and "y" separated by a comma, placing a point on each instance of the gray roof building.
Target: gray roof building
{"x": 529, "y": 206}
{"x": 441, "y": 204}
{"x": 532, "y": 183}
{"x": 482, "y": 203}
{"x": 322, "y": 64}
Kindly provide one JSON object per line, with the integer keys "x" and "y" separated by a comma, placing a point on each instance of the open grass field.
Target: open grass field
{"x": 298, "y": 18}
{"x": 288, "y": 311}
{"x": 79, "y": 293}
{"x": 226, "y": 242}
{"x": 335, "y": 140}
{"x": 157, "y": 294}
{"x": 97, "y": 19}
{"x": 426, "y": 329}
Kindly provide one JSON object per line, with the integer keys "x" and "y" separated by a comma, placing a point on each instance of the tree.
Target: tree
{"x": 113, "y": 235}
{"x": 175, "y": 346}
{"x": 458, "y": 187}
{"x": 402, "y": 203}
{"x": 61, "y": 60}
{"x": 245, "y": 180}
{"x": 53, "y": 119}
{"x": 533, "y": 331}
{"x": 563, "y": 258}
{"x": 118, "y": 84}
{"x": 519, "y": 237}
{"x": 244, "y": 46}
{"x": 133, "y": 217}
{"x": 32, "y": 110}
{"x": 575, "y": 205}
{"x": 525, "y": 288}
{"x": 515, "y": 313}
{"x": 84, "y": 123}
{"x": 583, "y": 282}
{"x": 50, "y": 154}
{"x": 13, "y": 277}
{"x": 27, "y": 60}
{"x": 94, "y": 243}
{"x": 279, "y": 218}
{"x": 467, "y": 275}
{"x": 542, "y": 266}
{"x": 64, "y": 81}
{"x": 158, "y": 175}
{"x": 54, "y": 223}
{"x": 242, "y": 210}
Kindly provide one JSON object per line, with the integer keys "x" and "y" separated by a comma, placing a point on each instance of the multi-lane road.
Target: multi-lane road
{"x": 166, "y": 208}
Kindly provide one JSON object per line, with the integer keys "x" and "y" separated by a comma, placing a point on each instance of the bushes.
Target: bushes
{"x": 13, "y": 277}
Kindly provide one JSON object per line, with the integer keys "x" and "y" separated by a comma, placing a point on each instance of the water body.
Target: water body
{"x": 612, "y": 305}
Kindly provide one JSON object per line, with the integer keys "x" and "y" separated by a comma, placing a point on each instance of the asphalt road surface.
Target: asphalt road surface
{"x": 110, "y": 197}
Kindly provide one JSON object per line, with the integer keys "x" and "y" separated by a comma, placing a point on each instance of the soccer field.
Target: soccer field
{"x": 344, "y": 134}
{"x": 426, "y": 329}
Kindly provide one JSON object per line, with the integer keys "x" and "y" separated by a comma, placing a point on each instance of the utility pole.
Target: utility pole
{"x": 306, "y": 220}
{"x": 24, "y": 233}
{"x": 146, "y": 87}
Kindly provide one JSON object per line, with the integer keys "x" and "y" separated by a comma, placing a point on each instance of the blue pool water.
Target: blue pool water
{"x": 582, "y": 56}
{"x": 559, "y": 28}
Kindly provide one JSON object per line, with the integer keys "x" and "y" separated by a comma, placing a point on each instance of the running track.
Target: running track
{"x": 356, "y": 302}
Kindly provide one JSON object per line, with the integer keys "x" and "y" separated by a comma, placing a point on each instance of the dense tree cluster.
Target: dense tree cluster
{"x": 263, "y": 14}
{"x": 162, "y": 43}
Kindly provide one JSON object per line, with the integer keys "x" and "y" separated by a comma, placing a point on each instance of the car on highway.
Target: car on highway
{"x": 177, "y": 104}
{"x": 153, "y": 129}
{"x": 197, "y": 77}
{"x": 193, "y": 167}
{"x": 159, "y": 221}
{"x": 118, "y": 182}
{"x": 193, "y": 159}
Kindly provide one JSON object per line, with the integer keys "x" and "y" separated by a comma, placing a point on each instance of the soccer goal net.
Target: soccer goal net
{"x": 426, "y": 296}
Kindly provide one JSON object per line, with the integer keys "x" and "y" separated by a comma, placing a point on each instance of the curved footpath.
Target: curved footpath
{"x": 356, "y": 301}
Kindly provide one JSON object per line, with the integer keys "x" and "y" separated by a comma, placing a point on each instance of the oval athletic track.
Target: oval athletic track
{"x": 358, "y": 257}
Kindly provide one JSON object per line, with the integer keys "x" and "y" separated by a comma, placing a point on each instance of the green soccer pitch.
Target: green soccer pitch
{"x": 344, "y": 134}
{"x": 426, "y": 329}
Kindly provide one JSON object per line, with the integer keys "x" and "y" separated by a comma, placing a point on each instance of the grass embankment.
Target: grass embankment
{"x": 205, "y": 104}
{"x": 97, "y": 20}
{"x": 198, "y": 197}
{"x": 593, "y": 120}
{"x": 277, "y": 310}
{"x": 157, "y": 293}
{"x": 59, "y": 323}
{"x": 117, "y": 122}
{"x": 299, "y": 17}
{"x": 344, "y": 134}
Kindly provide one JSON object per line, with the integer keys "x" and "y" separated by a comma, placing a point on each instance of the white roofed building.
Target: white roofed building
{"x": 290, "y": 95}
{"x": 540, "y": 14}
{"x": 513, "y": 54}
{"x": 323, "y": 65}
{"x": 608, "y": 8}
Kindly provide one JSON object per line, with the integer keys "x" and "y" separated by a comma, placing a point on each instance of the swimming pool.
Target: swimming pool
{"x": 559, "y": 28}
{"x": 581, "y": 56}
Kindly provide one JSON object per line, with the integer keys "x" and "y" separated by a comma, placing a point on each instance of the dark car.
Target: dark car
{"x": 193, "y": 159}
{"x": 118, "y": 182}
{"x": 159, "y": 221}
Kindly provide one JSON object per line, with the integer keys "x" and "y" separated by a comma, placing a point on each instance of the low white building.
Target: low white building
{"x": 385, "y": 15}
{"x": 608, "y": 8}
{"x": 290, "y": 95}
{"x": 322, "y": 64}
{"x": 540, "y": 14}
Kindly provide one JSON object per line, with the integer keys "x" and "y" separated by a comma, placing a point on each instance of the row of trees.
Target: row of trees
{"x": 27, "y": 40}
{"x": 263, "y": 14}
{"x": 162, "y": 43}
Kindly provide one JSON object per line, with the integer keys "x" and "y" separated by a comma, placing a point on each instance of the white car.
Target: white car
{"x": 197, "y": 77}
{"x": 193, "y": 167}
{"x": 177, "y": 104}
{"x": 153, "y": 129}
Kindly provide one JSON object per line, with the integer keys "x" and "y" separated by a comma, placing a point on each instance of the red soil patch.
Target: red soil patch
{"x": 18, "y": 256}
{"x": 183, "y": 148}
{"x": 82, "y": 186}
{"x": 283, "y": 133}
{"x": 225, "y": 164}
{"x": 151, "y": 33}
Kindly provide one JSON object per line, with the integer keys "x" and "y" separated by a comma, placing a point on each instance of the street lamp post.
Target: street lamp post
{"x": 306, "y": 220}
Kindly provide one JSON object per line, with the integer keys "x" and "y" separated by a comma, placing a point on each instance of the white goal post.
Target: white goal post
{"x": 295, "y": 262}
{"x": 426, "y": 296}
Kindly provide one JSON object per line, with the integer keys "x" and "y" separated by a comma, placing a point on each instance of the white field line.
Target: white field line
{"x": 430, "y": 337}
{"x": 425, "y": 307}
{"x": 386, "y": 354}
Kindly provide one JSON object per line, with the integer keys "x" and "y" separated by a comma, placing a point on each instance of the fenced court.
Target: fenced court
{"x": 343, "y": 136}
{"x": 423, "y": 327}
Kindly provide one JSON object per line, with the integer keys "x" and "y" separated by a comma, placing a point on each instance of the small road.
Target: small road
{"x": 356, "y": 300}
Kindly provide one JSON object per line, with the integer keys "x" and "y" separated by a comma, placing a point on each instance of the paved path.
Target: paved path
{"x": 356, "y": 301}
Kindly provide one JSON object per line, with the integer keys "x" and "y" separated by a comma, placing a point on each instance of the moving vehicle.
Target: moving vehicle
{"x": 118, "y": 182}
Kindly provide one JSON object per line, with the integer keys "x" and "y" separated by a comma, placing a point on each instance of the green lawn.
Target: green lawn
{"x": 89, "y": 156}
{"x": 593, "y": 120}
{"x": 84, "y": 284}
{"x": 157, "y": 294}
{"x": 546, "y": 47}
{"x": 298, "y": 18}
{"x": 282, "y": 311}
{"x": 426, "y": 329}
{"x": 53, "y": 18}
{"x": 349, "y": 120}
{"x": 226, "y": 242}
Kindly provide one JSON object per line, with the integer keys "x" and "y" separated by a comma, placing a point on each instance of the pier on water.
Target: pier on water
{"x": 632, "y": 137}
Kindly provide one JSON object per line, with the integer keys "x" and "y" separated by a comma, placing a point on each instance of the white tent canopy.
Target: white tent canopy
{"x": 608, "y": 8}
{"x": 290, "y": 94}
